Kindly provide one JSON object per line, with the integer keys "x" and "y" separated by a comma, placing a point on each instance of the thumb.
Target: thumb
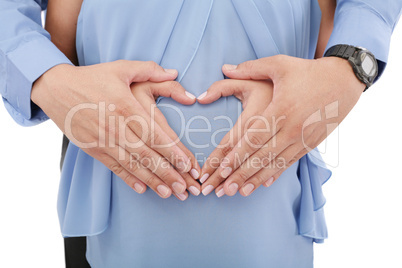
{"x": 260, "y": 69}
{"x": 174, "y": 90}
{"x": 142, "y": 71}
{"x": 223, "y": 88}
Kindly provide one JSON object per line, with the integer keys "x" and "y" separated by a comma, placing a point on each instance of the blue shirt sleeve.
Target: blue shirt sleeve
{"x": 26, "y": 52}
{"x": 367, "y": 24}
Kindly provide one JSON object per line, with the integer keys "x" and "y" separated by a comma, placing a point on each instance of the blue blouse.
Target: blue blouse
{"x": 274, "y": 226}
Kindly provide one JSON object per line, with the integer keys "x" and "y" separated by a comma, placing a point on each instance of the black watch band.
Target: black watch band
{"x": 363, "y": 62}
{"x": 341, "y": 51}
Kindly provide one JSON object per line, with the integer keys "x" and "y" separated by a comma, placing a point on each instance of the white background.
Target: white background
{"x": 364, "y": 195}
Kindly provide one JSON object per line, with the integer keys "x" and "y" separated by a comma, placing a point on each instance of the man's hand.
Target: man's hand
{"x": 95, "y": 108}
{"x": 310, "y": 98}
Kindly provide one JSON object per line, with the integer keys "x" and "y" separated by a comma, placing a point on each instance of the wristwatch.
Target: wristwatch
{"x": 363, "y": 62}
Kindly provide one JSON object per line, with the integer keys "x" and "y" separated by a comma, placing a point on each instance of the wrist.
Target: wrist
{"x": 51, "y": 79}
{"x": 363, "y": 62}
{"x": 344, "y": 71}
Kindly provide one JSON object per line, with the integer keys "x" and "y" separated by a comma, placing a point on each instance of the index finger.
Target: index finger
{"x": 209, "y": 176}
{"x": 259, "y": 69}
{"x": 259, "y": 135}
{"x": 145, "y": 127}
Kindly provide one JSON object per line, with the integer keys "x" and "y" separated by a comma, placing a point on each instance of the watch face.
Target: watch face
{"x": 368, "y": 64}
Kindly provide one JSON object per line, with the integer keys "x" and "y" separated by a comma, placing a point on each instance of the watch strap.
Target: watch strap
{"x": 349, "y": 53}
{"x": 342, "y": 51}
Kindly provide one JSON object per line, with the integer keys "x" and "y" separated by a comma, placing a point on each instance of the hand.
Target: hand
{"x": 95, "y": 108}
{"x": 310, "y": 98}
{"x": 255, "y": 97}
{"x": 148, "y": 92}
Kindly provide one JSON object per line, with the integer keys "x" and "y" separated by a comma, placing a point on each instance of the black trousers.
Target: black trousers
{"x": 74, "y": 247}
{"x": 74, "y": 250}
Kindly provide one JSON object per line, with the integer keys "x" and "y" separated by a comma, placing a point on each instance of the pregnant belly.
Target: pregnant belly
{"x": 201, "y": 127}
{"x": 147, "y": 230}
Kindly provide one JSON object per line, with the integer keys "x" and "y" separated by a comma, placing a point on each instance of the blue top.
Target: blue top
{"x": 196, "y": 38}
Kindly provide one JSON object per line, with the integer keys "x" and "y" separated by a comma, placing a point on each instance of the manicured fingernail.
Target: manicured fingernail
{"x": 207, "y": 190}
{"x": 226, "y": 172}
{"x": 233, "y": 188}
{"x": 269, "y": 182}
{"x": 194, "y": 190}
{"x": 204, "y": 178}
{"x": 178, "y": 187}
{"x": 182, "y": 197}
{"x": 163, "y": 190}
{"x": 171, "y": 71}
{"x": 138, "y": 188}
{"x": 183, "y": 166}
{"x": 220, "y": 193}
{"x": 202, "y": 95}
{"x": 191, "y": 96}
{"x": 194, "y": 173}
{"x": 248, "y": 188}
{"x": 229, "y": 67}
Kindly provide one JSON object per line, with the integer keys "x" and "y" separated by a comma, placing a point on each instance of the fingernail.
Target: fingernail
{"x": 178, "y": 187}
{"x": 229, "y": 67}
{"x": 226, "y": 172}
{"x": 233, "y": 188}
{"x": 182, "y": 197}
{"x": 204, "y": 178}
{"x": 163, "y": 190}
{"x": 171, "y": 71}
{"x": 207, "y": 190}
{"x": 191, "y": 96}
{"x": 138, "y": 188}
{"x": 194, "y": 173}
{"x": 183, "y": 166}
{"x": 248, "y": 188}
{"x": 269, "y": 182}
{"x": 194, "y": 190}
{"x": 220, "y": 193}
{"x": 202, "y": 95}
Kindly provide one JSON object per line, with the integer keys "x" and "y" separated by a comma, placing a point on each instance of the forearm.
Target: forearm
{"x": 61, "y": 23}
{"x": 327, "y": 23}
{"x": 25, "y": 54}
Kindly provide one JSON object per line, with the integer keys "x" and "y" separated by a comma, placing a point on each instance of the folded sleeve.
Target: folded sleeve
{"x": 26, "y": 52}
{"x": 368, "y": 24}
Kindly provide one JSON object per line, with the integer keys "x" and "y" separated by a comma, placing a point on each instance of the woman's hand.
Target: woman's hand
{"x": 311, "y": 97}
{"x": 255, "y": 97}
{"x": 147, "y": 93}
{"x": 95, "y": 108}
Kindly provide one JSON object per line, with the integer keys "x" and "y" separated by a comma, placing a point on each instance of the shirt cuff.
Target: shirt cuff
{"x": 364, "y": 27}
{"x": 23, "y": 66}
